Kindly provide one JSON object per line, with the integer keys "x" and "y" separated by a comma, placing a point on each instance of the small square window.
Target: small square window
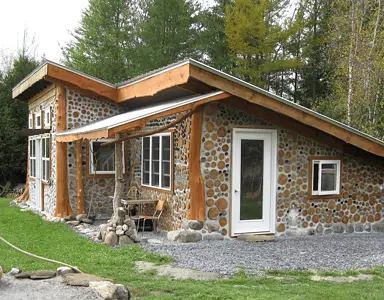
{"x": 30, "y": 121}
{"x": 325, "y": 176}
{"x": 38, "y": 120}
{"x": 47, "y": 117}
{"x": 102, "y": 160}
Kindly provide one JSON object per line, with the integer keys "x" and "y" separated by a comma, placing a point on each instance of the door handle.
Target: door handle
{"x": 236, "y": 191}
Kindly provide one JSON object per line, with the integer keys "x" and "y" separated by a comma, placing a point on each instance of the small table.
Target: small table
{"x": 140, "y": 202}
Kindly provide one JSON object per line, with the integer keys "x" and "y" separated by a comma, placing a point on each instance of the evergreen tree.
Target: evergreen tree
{"x": 104, "y": 43}
{"x": 168, "y": 33}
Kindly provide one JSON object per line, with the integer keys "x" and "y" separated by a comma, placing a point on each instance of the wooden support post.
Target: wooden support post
{"x": 79, "y": 179}
{"x": 119, "y": 180}
{"x": 197, "y": 209}
{"x": 63, "y": 207}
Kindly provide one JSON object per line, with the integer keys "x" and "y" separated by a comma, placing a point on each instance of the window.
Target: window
{"x": 30, "y": 121}
{"x": 38, "y": 120}
{"x": 102, "y": 160}
{"x": 45, "y": 157}
{"x": 156, "y": 161}
{"x": 47, "y": 117}
{"x": 325, "y": 176}
{"x": 32, "y": 158}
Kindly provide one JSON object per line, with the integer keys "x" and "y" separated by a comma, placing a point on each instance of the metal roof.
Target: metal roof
{"x": 135, "y": 115}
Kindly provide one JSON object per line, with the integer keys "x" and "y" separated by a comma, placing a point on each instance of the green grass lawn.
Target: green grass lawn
{"x": 56, "y": 241}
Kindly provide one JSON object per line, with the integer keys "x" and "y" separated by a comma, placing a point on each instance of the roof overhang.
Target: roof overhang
{"x": 183, "y": 72}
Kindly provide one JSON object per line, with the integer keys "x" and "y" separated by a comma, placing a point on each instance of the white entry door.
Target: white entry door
{"x": 253, "y": 181}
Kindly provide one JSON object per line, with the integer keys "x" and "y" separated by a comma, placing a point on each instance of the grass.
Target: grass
{"x": 56, "y": 241}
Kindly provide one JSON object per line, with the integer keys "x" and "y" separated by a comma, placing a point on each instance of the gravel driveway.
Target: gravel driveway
{"x": 333, "y": 252}
{"x": 50, "y": 289}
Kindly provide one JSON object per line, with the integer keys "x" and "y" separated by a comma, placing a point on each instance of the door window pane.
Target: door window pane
{"x": 251, "y": 187}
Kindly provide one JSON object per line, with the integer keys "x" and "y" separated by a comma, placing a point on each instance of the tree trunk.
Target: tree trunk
{"x": 350, "y": 67}
{"x": 119, "y": 184}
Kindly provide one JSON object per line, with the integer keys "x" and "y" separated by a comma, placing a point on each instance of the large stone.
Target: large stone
{"x": 119, "y": 227}
{"x": 378, "y": 226}
{"x": 190, "y": 236}
{"x": 328, "y": 231}
{"x": 81, "y": 217}
{"x": 119, "y": 232}
{"x": 107, "y": 290}
{"x": 338, "y": 228}
{"x": 367, "y": 227}
{"x": 42, "y": 274}
{"x": 63, "y": 270}
{"x": 124, "y": 227}
{"x": 359, "y": 227}
{"x": 122, "y": 292}
{"x": 134, "y": 237}
{"x": 14, "y": 271}
{"x": 103, "y": 230}
{"x": 82, "y": 279}
{"x": 130, "y": 232}
{"x": 73, "y": 223}
{"x": 195, "y": 225}
{"x": 349, "y": 228}
{"x": 23, "y": 275}
{"x": 212, "y": 226}
{"x": 111, "y": 239}
{"x": 87, "y": 221}
{"x": 125, "y": 240}
{"x": 320, "y": 229}
{"x": 173, "y": 235}
{"x": 69, "y": 218}
{"x": 214, "y": 236}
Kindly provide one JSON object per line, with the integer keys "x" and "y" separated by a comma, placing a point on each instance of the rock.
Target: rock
{"x": 130, "y": 223}
{"x": 328, "y": 231}
{"x": 110, "y": 228}
{"x": 338, "y": 228}
{"x": 73, "y": 223}
{"x": 125, "y": 240}
{"x": 190, "y": 236}
{"x": 87, "y": 221}
{"x": 69, "y": 218}
{"x": 319, "y": 229}
{"x": 82, "y": 279}
{"x": 81, "y": 217}
{"x": 212, "y": 226}
{"x": 119, "y": 227}
{"x": 107, "y": 290}
{"x": 23, "y": 275}
{"x": 195, "y": 225}
{"x": 103, "y": 230}
{"x": 154, "y": 241}
{"x": 14, "y": 271}
{"x": 311, "y": 231}
{"x": 63, "y": 270}
{"x": 378, "y": 226}
{"x": 125, "y": 227}
{"x": 214, "y": 236}
{"x": 349, "y": 228}
{"x": 367, "y": 227}
{"x": 134, "y": 237}
{"x": 130, "y": 232}
{"x": 42, "y": 274}
{"x": 13, "y": 203}
{"x": 122, "y": 292}
{"x": 119, "y": 232}
{"x": 359, "y": 227}
{"x": 173, "y": 235}
{"x": 111, "y": 239}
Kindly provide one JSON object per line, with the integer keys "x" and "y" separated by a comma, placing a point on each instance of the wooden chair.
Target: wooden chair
{"x": 156, "y": 215}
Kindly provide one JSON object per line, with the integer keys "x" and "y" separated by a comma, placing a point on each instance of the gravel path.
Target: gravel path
{"x": 25, "y": 289}
{"x": 333, "y": 252}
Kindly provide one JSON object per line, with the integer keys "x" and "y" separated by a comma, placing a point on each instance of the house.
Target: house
{"x": 213, "y": 146}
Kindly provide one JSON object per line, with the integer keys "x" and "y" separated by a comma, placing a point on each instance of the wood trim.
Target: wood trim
{"x": 44, "y": 95}
{"x": 282, "y": 108}
{"x": 63, "y": 207}
{"x": 32, "y": 178}
{"x": 60, "y": 75}
{"x": 311, "y": 158}
{"x": 31, "y": 80}
{"x": 284, "y": 122}
{"x": 101, "y": 134}
{"x": 152, "y": 85}
{"x": 197, "y": 208}
{"x": 157, "y": 189}
{"x": 80, "y": 203}
{"x": 42, "y": 195}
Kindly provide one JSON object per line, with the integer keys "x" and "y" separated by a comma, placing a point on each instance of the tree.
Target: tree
{"x": 213, "y": 41}
{"x": 104, "y": 43}
{"x": 256, "y": 39}
{"x": 14, "y": 115}
{"x": 168, "y": 33}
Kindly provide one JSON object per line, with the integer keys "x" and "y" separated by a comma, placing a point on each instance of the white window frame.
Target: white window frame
{"x": 47, "y": 117}
{"x": 160, "y": 161}
{"x": 32, "y": 171}
{"x": 37, "y": 117}
{"x": 91, "y": 170}
{"x": 45, "y": 160}
{"x": 321, "y": 162}
{"x": 30, "y": 121}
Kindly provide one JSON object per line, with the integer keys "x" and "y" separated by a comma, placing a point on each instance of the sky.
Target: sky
{"x": 48, "y": 21}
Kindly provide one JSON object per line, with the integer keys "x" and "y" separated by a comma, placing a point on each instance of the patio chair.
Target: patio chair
{"x": 156, "y": 215}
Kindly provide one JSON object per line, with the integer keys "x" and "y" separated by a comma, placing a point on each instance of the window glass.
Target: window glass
{"x": 45, "y": 158}
{"x": 315, "y": 182}
{"x": 155, "y": 161}
{"x": 328, "y": 177}
{"x": 103, "y": 158}
{"x": 166, "y": 162}
{"x": 146, "y": 160}
{"x": 325, "y": 177}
